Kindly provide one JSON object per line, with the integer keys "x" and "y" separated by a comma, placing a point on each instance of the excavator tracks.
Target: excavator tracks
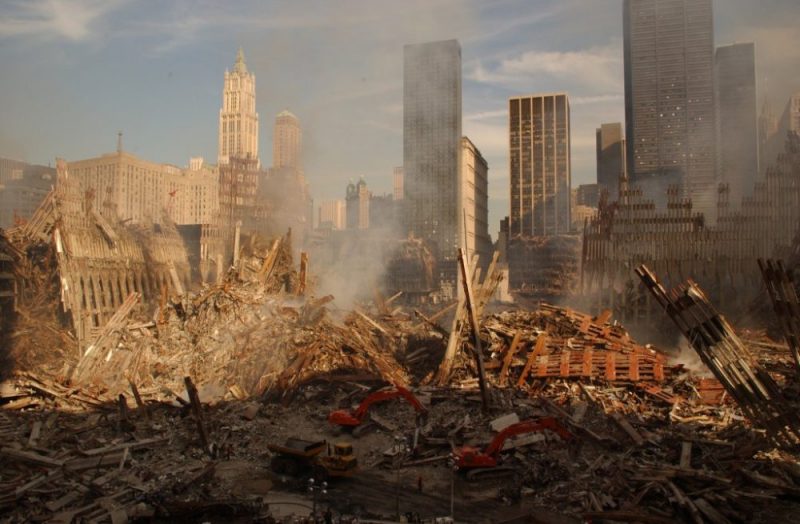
{"x": 491, "y": 474}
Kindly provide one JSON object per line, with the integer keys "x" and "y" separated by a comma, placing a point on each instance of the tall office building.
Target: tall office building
{"x": 539, "y": 139}
{"x": 238, "y": 120}
{"x": 610, "y": 158}
{"x": 669, "y": 96}
{"x": 475, "y": 201}
{"x": 286, "y": 142}
{"x": 432, "y": 147}
{"x": 737, "y": 137}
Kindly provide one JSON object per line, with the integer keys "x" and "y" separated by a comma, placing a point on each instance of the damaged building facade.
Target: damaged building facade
{"x": 678, "y": 243}
{"x": 102, "y": 261}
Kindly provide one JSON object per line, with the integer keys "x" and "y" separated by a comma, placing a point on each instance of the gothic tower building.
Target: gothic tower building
{"x": 238, "y": 120}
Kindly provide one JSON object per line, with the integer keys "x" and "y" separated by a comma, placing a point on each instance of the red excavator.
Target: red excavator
{"x": 482, "y": 464}
{"x": 351, "y": 419}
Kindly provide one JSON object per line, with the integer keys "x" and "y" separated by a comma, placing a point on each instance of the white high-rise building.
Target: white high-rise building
{"x": 238, "y": 120}
{"x": 287, "y": 141}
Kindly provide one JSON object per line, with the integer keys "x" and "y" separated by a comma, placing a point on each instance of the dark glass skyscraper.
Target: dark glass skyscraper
{"x": 432, "y": 144}
{"x": 669, "y": 96}
{"x": 610, "y": 147}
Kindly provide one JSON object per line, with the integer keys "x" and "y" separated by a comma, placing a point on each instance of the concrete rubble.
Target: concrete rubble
{"x": 166, "y": 409}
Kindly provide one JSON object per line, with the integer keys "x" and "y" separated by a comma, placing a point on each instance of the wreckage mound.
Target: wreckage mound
{"x": 237, "y": 342}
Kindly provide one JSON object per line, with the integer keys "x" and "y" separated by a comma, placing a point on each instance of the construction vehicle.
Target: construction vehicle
{"x": 297, "y": 457}
{"x": 351, "y": 419}
{"x": 480, "y": 465}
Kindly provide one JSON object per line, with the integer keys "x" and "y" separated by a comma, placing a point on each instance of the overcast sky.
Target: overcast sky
{"x": 76, "y": 72}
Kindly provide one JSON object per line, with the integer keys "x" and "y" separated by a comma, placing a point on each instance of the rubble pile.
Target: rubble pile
{"x": 166, "y": 409}
{"x": 105, "y": 466}
{"x": 544, "y": 267}
{"x": 38, "y": 338}
{"x": 238, "y": 340}
{"x": 556, "y": 342}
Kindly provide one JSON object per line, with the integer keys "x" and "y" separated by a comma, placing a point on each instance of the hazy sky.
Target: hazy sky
{"x": 76, "y": 72}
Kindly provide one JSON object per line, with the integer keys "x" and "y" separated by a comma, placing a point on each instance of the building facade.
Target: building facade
{"x": 357, "y": 204}
{"x": 767, "y": 128}
{"x": 287, "y": 141}
{"x": 332, "y": 214}
{"x": 238, "y": 119}
{"x": 669, "y": 94}
{"x": 610, "y": 147}
{"x": 432, "y": 147}
{"x": 475, "y": 202}
{"x": 587, "y": 195}
{"x": 539, "y": 140}
{"x": 383, "y": 214}
{"x": 789, "y": 122}
{"x": 737, "y": 135}
{"x": 23, "y": 186}
{"x": 124, "y": 186}
{"x": 397, "y": 183}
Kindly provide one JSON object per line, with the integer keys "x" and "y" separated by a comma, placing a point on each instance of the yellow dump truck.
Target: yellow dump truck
{"x": 296, "y": 457}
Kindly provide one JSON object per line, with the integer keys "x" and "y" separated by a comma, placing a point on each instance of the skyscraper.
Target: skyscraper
{"x": 238, "y": 120}
{"x": 431, "y": 146}
{"x": 669, "y": 95}
{"x": 286, "y": 142}
{"x": 610, "y": 158}
{"x": 539, "y": 139}
{"x": 737, "y": 137}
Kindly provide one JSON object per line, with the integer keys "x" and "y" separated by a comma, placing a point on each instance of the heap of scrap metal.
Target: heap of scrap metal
{"x": 411, "y": 269}
{"x": 543, "y": 267}
{"x": 670, "y": 236}
{"x": 721, "y": 350}
{"x": 100, "y": 261}
{"x": 254, "y": 334}
{"x": 527, "y": 348}
{"x": 782, "y": 292}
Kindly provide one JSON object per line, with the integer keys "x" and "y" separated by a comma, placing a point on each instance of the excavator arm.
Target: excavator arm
{"x": 470, "y": 457}
{"x": 345, "y": 417}
{"x": 521, "y": 428}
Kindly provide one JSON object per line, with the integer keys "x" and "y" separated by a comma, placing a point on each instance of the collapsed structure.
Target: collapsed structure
{"x": 100, "y": 263}
{"x": 607, "y": 428}
{"x": 678, "y": 243}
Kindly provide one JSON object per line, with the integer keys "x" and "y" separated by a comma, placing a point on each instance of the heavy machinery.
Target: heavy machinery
{"x": 351, "y": 419}
{"x": 486, "y": 464}
{"x": 297, "y": 457}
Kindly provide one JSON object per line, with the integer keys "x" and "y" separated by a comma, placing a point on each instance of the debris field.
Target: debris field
{"x": 167, "y": 412}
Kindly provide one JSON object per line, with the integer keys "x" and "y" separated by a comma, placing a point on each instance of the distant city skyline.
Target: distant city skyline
{"x": 76, "y": 73}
